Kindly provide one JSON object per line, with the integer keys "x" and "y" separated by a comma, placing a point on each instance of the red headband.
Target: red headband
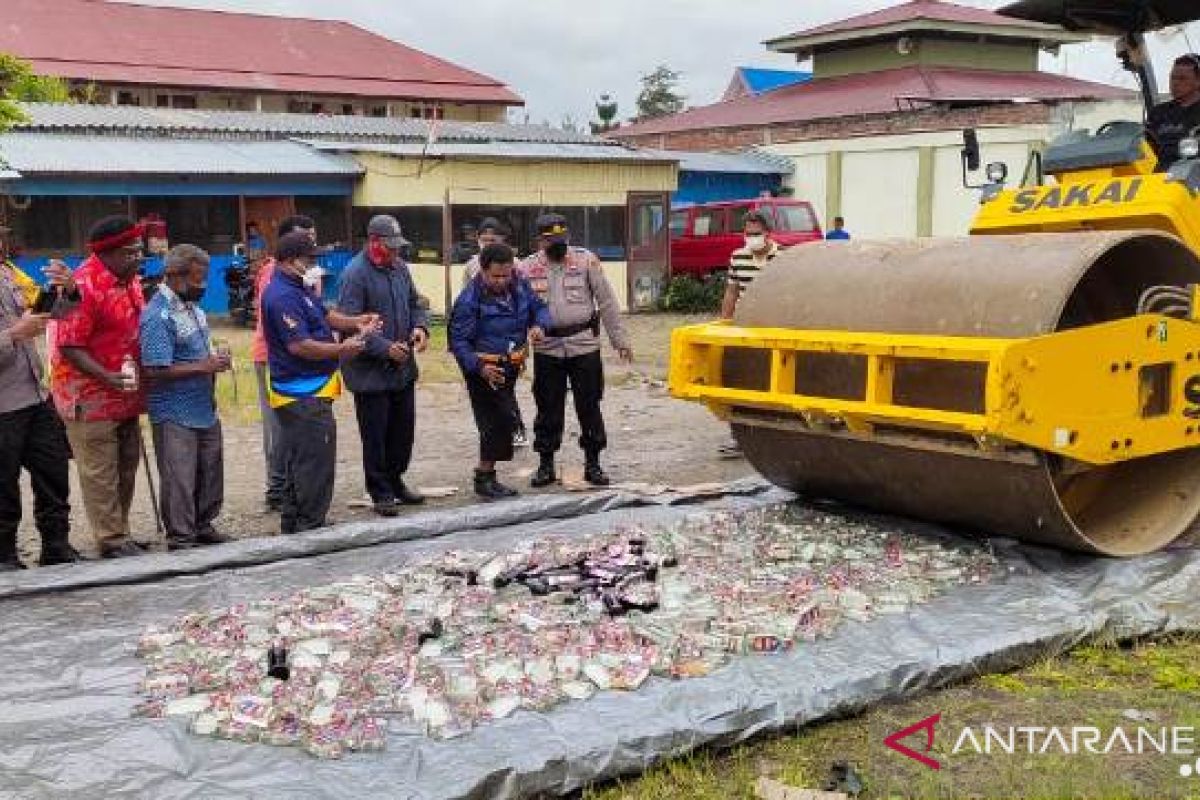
{"x": 125, "y": 237}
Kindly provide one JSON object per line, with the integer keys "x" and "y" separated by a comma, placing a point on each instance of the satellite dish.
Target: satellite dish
{"x": 904, "y": 46}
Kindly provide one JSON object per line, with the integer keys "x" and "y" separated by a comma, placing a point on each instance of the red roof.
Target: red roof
{"x": 877, "y": 93}
{"x": 119, "y": 42}
{"x": 932, "y": 10}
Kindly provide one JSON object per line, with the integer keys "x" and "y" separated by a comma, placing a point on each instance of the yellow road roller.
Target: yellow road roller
{"x": 1039, "y": 378}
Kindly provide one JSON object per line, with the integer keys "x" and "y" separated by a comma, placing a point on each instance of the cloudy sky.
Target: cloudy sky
{"x": 560, "y": 56}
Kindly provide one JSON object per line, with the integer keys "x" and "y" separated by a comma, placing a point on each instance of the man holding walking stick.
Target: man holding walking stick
{"x": 96, "y": 383}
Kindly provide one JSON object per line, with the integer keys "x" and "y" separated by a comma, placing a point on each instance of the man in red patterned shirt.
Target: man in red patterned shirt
{"x": 95, "y": 384}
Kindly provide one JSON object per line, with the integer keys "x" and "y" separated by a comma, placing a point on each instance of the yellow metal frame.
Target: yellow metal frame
{"x": 1095, "y": 394}
{"x": 1082, "y": 201}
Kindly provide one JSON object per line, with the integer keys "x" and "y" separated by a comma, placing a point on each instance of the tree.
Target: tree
{"x": 20, "y": 84}
{"x": 606, "y": 110}
{"x": 660, "y": 96}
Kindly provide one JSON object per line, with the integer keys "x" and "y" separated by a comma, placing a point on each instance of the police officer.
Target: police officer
{"x": 572, "y": 282}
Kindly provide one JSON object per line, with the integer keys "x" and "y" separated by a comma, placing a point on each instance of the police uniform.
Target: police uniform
{"x": 580, "y": 298}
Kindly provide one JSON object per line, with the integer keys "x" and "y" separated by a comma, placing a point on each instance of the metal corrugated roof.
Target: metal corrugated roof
{"x": 152, "y": 45}
{"x": 133, "y": 119}
{"x": 745, "y": 163}
{"x": 935, "y": 11}
{"x": 57, "y": 154}
{"x": 515, "y": 151}
{"x": 883, "y": 92}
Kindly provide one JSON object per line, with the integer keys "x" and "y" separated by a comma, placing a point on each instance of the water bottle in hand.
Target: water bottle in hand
{"x": 129, "y": 374}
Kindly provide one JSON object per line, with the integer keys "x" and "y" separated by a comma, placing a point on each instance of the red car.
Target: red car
{"x": 704, "y": 236}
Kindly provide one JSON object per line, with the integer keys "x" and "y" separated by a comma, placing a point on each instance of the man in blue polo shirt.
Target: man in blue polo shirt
{"x": 180, "y": 369}
{"x": 839, "y": 232}
{"x": 303, "y": 379}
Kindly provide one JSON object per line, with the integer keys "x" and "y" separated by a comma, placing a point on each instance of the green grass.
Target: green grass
{"x": 1092, "y": 685}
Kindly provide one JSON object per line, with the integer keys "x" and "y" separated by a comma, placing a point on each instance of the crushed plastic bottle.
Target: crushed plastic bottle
{"x": 460, "y": 639}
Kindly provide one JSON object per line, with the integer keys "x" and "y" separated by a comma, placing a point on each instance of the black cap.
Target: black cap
{"x": 296, "y": 244}
{"x": 387, "y": 228}
{"x": 552, "y": 226}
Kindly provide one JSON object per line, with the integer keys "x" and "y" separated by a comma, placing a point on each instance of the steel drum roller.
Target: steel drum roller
{"x": 1016, "y": 286}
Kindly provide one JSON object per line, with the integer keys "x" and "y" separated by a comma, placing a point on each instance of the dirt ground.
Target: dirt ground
{"x": 652, "y": 438}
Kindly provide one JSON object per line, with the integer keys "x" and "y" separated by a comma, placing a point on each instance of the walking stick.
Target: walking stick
{"x": 162, "y": 530}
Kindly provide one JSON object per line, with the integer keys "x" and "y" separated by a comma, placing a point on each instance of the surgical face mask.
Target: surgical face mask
{"x": 557, "y": 251}
{"x": 757, "y": 243}
{"x": 312, "y": 276}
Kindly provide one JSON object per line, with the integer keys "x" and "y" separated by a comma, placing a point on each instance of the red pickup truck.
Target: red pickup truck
{"x": 704, "y": 236}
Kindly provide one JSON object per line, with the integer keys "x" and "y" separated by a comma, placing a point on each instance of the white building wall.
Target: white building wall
{"x": 879, "y": 199}
{"x": 880, "y": 186}
{"x": 809, "y": 181}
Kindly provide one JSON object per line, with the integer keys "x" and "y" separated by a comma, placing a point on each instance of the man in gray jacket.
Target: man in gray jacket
{"x": 383, "y": 377}
{"x": 572, "y": 282}
{"x": 31, "y": 434}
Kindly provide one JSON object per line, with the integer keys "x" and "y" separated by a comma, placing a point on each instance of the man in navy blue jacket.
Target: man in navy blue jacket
{"x": 493, "y": 321}
{"x": 383, "y": 377}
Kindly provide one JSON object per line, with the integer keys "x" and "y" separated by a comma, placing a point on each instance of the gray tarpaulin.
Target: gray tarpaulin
{"x": 70, "y": 677}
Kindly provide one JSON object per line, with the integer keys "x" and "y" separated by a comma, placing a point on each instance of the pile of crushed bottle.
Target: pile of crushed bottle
{"x": 453, "y": 641}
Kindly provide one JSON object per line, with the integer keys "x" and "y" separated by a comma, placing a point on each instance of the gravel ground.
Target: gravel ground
{"x": 652, "y": 438}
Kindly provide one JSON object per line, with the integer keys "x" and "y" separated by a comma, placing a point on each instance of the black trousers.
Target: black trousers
{"x": 386, "y": 422}
{"x": 496, "y": 417}
{"x": 551, "y": 376}
{"x": 33, "y": 439}
{"x": 308, "y": 435}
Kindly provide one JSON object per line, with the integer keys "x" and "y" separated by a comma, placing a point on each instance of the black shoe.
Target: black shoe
{"x": 175, "y": 545}
{"x": 545, "y": 474}
{"x": 386, "y": 508}
{"x": 127, "y": 550}
{"x": 212, "y": 537}
{"x": 487, "y": 487}
{"x": 594, "y": 474}
{"x": 12, "y": 564}
{"x": 60, "y": 554}
{"x": 406, "y": 496}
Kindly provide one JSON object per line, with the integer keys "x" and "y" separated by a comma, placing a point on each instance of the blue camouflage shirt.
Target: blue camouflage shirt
{"x": 174, "y": 332}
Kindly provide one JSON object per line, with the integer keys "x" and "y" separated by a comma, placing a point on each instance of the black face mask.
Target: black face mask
{"x": 557, "y": 251}
{"x": 193, "y": 294}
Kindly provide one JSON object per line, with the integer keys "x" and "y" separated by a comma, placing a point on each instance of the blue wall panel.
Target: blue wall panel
{"x": 216, "y": 301}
